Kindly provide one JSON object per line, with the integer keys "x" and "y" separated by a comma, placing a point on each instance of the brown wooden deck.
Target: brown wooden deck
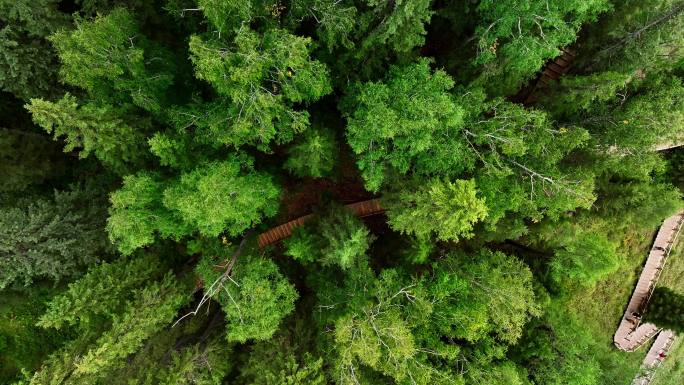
{"x": 278, "y": 233}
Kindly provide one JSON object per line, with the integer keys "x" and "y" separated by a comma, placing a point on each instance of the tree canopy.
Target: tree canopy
{"x": 347, "y": 192}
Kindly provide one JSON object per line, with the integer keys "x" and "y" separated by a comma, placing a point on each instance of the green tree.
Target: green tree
{"x": 335, "y": 21}
{"x": 399, "y": 325}
{"x": 558, "y": 349}
{"x": 51, "y": 238}
{"x": 108, "y": 57}
{"x": 223, "y": 196}
{"x": 99, "y": 293}
{"x": 153, "y": 308}
{"x": 440, "y": 207}
{"x": 638, "y": 37}
{"x": 23, "y": 345}
{"x": 400, "y": 25}
{"x": 515, "y": 39}
{"x": 313, "y": 155}
{"x": 259, "y": 78}
{"x": 253, "y": 294}
{"x": 212, "y": 198}
{"x": 585, "y": 259}
{"x": 28, "y": 65}
{"x": 137, "y": 215}
{"x": 524, "y": 156}
{"x": 336, "y": 237}
{"x": 92, "y": 129}
{"x": 401, "y": 124}
{"x": 278, "y": 361}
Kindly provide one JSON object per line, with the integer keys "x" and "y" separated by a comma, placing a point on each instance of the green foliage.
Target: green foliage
{"x": 666, "y": 309}
{"x": 557, "y": 350}
{"x": 221, "y": 196}
{"x": 137, "y": 214}
{"x": 51, "y": 238}
{"x": 254, "y": 298}
{"x": 637, "y": 37}
{"x": 23, "y": 346}
{"x": 653, "y": 116}
{"x": 516, "y": 38}
{"x": 153, "y": 308}
{"x": 397, "y": 325}
{"x": 90, "y": 128}
{"x": 401, "y": 26}
{"x": 212, "y": 198}
{"x": 27, "y": 62}
{"x": 242, "y": 104}
{"x": 314, "y": 155}
{"x": 259, "y": 79}
{"x": 99, "y": 293}
{"x": 440, "y": 207}
{"x": 401, "y": 124}
{"x": 573, "y": 95}
{"x": 521, "y": 153}
{"x": 107, "y": 55}
{"x": 196, "y": 365}
{"x": 335, "y": 21}
{"x": 336, "y": 237}
{"x": 277, "y": 361}
{"x": 585, "y": 259}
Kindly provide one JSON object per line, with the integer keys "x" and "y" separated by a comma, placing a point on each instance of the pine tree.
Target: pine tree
{"x": 447, "y": 210}
{"x": 401, "y": 124}
{"x": 28, "y": 64}
{"x": 259, "y": 78}
{"x": 91, "y": 129}
{"x": 51, "y": 238}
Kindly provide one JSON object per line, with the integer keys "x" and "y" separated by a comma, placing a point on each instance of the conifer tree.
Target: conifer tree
{"x": 445, "y": 209}
{"x": 90, "y": 129}
{"x": 51, "y": 238}
{"x": 28, "y": 64}
{"x": 405, "y": 124}
{"x": 259, "y": 78}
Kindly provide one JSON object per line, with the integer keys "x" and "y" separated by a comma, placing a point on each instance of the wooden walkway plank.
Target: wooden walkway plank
{"x": 278, "y": 233}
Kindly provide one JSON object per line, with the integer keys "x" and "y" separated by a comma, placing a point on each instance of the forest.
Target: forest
{"x": 520, "y": 155}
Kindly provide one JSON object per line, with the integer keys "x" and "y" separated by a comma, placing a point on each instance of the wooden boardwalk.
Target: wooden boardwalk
{"x": 278, "y": 233}
{"x": 553, "y": 70}
{"x": 653, "y": 358}
{"x": 630, "y": 334}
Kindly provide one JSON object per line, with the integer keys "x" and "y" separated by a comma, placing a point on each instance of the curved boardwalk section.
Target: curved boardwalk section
{"x": 278, "y": 233}
{"x": 654, "y": 357}
{"x": 630, "y": 335}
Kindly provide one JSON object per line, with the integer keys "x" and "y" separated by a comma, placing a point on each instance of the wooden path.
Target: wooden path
{"x": 553, "y": 70}
{"x": 630, "y": 334}
{"x": 653, "y": 358}
{"x": 278, "y": 233}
